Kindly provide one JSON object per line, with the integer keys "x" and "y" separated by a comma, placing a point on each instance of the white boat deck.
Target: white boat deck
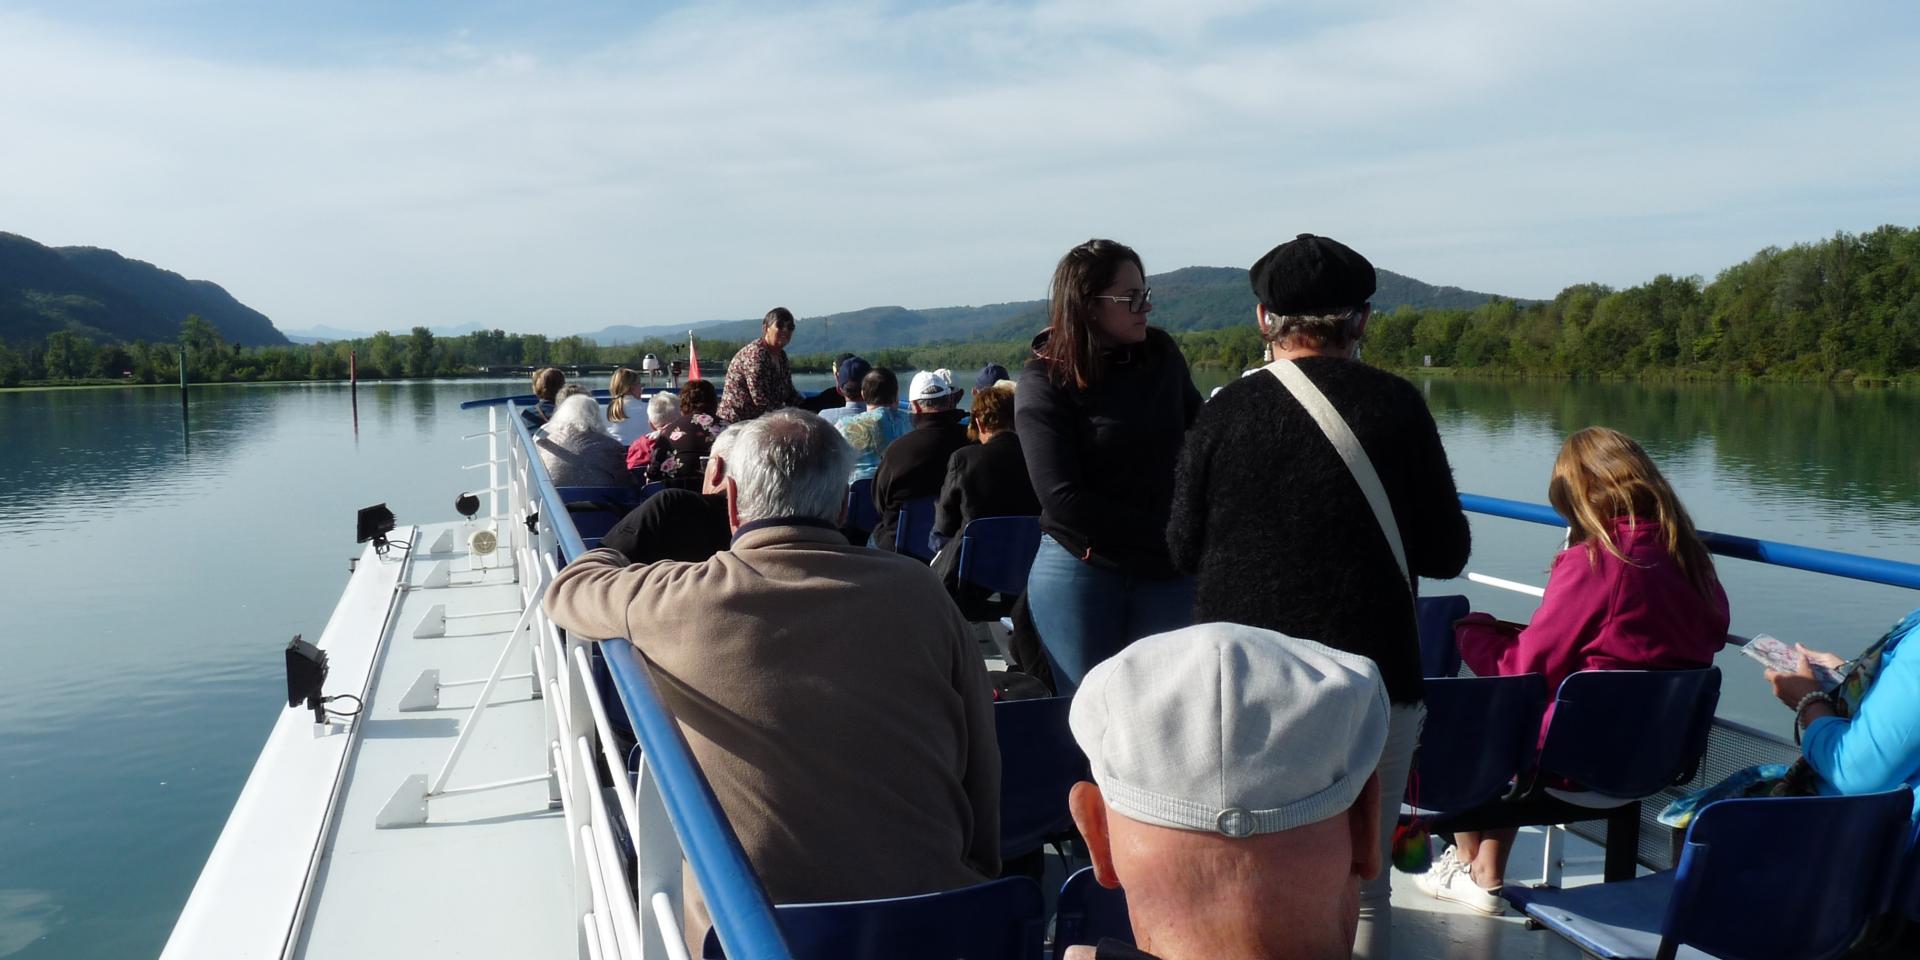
{"x": 1428, "y": 929}
{"x": 488, "y": 874}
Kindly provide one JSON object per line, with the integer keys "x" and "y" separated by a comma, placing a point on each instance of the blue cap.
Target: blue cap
{"x": 851, "y": 370}
{"x": 990, "y": 374}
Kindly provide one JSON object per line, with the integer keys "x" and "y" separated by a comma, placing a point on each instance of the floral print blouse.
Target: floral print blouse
{"x": 758, "y": 380}
{"x": 870, "y": 433}
{"x": 679, "y": 447}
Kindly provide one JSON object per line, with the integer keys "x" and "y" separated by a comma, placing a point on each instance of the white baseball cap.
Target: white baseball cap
{"x": 1230, "y": 729}
{"x": 931, "y": 385}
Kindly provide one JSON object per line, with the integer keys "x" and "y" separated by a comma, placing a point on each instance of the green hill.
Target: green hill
{"x": 104, "y": 296}
{"x": 1191, "y": 298}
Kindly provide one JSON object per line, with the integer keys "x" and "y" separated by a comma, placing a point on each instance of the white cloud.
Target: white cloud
{"x": 723, "y": 159}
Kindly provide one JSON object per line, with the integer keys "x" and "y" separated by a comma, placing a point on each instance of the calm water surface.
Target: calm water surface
{"x": 154, "y": 569}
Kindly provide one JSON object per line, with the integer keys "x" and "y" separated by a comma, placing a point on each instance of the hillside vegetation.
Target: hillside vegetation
{"x": 1845, "y": 309}
{"x": 102, "y": 296}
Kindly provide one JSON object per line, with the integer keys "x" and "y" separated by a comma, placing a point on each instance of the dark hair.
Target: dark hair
{"x": 547, "y": 382}
{"x": 1071, "y": 352}
{"x": 698, "y": 396}
{"x": 777, "y": 315}
{"x": 880, "y": 386}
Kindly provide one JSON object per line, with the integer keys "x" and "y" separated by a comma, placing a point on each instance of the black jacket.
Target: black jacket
{"x": 914, "y": 466}
{"x": 1268, "y": 516}
{"x": 985, "y": 480}
{"x": 1102, "y": 459}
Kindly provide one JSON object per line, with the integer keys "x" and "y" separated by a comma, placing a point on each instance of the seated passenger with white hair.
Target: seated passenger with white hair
{"x": 578, "y": 449}
{"x": 854, "y": 763}
{"x": 1234, "y": 795}
{"x": 662, "y": 408}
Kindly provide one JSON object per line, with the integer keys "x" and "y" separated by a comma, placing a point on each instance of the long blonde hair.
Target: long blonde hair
{"x": 621, "y": 388}
{"x": 1601, "y": 475}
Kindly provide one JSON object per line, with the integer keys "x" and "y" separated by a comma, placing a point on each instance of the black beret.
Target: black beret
{"x": 1312, "y": 275}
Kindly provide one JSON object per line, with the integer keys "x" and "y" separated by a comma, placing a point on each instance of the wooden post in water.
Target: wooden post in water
{"x": 183, "y": 379}
{"x": 353, "y": 387}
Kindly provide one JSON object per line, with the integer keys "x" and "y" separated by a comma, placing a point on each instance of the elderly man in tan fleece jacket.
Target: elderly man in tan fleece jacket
{"x": 831, "y": 693}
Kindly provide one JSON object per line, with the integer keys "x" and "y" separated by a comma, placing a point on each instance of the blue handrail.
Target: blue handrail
{"x": 1831, "y": 562}
{"x": 735, "y": 900}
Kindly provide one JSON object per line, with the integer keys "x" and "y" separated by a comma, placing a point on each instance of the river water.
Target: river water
{"x": 154, "y": 567}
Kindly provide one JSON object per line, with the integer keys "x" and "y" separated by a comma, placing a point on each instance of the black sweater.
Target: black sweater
{"x": 912, "y": 467}
{"x": 1268, "y": 516}
{"x": 1102, "y": 459}
{"x": 984, "y": 480}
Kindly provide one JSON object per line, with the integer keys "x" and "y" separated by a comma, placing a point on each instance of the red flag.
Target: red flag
{"x": 693, "y": 359}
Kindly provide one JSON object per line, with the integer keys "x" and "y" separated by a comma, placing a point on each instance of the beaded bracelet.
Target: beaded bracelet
{"x": 1816, "y": 696}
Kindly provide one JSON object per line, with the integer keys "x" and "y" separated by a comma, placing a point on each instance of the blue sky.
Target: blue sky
{"x": 564, "y": 167}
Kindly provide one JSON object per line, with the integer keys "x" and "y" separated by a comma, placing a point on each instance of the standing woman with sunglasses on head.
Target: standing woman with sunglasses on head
{"x": 758, "y": 379}
{"x": 1101, "y": 411}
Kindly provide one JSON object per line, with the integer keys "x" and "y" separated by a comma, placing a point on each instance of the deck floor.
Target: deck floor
{"x": 489, "y": 873}
{"x": 1428, "y": 929}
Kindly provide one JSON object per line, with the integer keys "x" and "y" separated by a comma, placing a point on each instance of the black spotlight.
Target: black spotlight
{"x": 374, "y": 524}
{"x": 306, "y": 675}
{"x": 467, "y": 504}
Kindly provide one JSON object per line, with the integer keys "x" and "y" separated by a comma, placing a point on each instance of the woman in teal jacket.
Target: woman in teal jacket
{"x": 1878, "y": 747}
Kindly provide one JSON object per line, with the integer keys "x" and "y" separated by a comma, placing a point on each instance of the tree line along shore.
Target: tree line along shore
{"x": 1846, "y": 310}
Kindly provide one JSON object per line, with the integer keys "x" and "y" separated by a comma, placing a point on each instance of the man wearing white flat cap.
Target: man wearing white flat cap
{"x": 1234, "y": 796}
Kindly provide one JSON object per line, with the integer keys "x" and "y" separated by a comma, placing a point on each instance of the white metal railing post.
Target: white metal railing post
{"x": 495, "y": 476}
{"x": 657, "y": 855}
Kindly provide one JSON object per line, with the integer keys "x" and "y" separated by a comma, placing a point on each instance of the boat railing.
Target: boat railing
{"x": 667, "y": 814}
{"x": 1731, "y": 745}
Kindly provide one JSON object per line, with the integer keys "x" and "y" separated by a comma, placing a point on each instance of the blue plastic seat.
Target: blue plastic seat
{"x": 997, "y": 552}
{"x": 1439, "y": 653}
{"x": 1088, "y": 913}
{"x": 1628, "y": 734}
{"x": 1906, "y": 893}
{"x": 1479, "y": 735}
{"x": 1039, "y": 764}
{"x": 1621, "y": 736}
{"x": 1788, "y": 878}
{"x": 914, "y": 528}
{"x": 861, "y": 512}
{"x": 1002, "y": 919}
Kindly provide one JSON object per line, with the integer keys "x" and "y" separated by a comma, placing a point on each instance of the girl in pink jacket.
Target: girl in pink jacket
{"x": 1633, "y": 590}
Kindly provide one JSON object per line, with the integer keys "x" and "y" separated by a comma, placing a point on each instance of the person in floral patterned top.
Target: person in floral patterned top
{"x": 687, "y": 439}
{"x": 757, "y": 378}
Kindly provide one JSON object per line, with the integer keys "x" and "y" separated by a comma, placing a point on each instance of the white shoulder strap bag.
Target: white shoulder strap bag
{"x": 1348, "y": 446}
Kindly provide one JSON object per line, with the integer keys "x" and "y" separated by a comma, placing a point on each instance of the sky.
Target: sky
{"x": 561, "y": 167}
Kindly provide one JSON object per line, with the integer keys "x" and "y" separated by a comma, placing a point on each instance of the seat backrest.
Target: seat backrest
{"x": 1039, "y": 764}
{"x": 861, "y": 513}
{"x": 1906, "y": 894}
{"x": 1439, "y": 654}
{"x": 1001, "y": 919}
{"x": 651, "y": 489}
{"x": 1772, "y": 878}
{"x": 915, "y": 528}
{"x": 1479, "y": 733}
{"x": 1629, "y": 734}
{"x": 1088, "y": 913}
{"x": 997, "y": 552}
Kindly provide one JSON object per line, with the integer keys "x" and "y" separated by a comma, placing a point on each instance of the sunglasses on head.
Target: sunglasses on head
{"x": 1137, "y": 301}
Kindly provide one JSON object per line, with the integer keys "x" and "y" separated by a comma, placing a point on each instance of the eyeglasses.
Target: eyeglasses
{"x": 1137, "y": 301}
{"x": 783, "y": 324}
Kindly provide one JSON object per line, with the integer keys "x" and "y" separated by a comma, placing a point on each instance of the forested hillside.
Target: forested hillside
{"x": 100, "y": 295}
{"x": 1846, "y": 309}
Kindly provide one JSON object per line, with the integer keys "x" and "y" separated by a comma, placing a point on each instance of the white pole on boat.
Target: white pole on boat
{"x": 473, "y": 715}
{"x": 1513, "y": 585}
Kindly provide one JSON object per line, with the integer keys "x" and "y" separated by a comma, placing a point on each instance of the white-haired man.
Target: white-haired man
{"x": 832, "y": 694}
{"x": 1234, "y": 794}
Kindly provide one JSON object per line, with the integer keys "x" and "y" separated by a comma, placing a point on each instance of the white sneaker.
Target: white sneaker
{"x": 1452, "y": 880}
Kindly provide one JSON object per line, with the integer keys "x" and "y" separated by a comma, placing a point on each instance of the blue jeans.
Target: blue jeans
{"x": 1085, "y": 614}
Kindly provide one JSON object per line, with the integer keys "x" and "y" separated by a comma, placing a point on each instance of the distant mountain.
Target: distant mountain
{"x": 1191, "y": 298}
{"x": 326, "y": 334}
{"x": 105, "y": 296}
{"x": 623, "y": 334}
